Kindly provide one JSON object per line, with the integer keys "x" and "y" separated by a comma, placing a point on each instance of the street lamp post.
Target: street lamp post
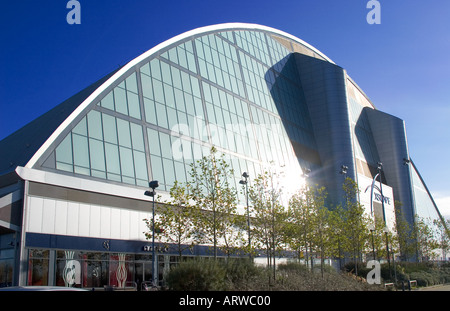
{"x": 153, "y": 185}
{"x": 372, "y": 229}
{"x": 306, "y": 173}
{"x": 245, "y": 182}
{"x": 343, "y": 171}
{"x": 386, "y": 230}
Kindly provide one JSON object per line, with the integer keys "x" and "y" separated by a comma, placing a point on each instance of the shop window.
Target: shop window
{"x": 38, "y": 264}
{"x": 6, "y": 272}
{"x": 7, "y": 255}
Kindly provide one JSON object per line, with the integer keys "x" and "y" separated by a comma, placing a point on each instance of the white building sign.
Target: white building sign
{"x": 379, "y": 200}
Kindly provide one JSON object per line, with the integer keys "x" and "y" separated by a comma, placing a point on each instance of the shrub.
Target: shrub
{"x": 394, "y": 271}
{"x": 198, "y": 275}
{"x": 423, "y": 278}
{"x": 445, "y": 274}
{"x": 294, "y": 276}
{"x": 239, "y": 274}
{"x": 362, "y": 269}
{"x": 242, "y": 273}
{"x": 292, "y": 267}
{"x": 425, "y": 273}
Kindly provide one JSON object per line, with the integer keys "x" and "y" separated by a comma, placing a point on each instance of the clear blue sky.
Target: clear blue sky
{"x": 403, "y": 64}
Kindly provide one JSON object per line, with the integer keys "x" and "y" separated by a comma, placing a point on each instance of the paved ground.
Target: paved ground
{"x": 439, "y": 288}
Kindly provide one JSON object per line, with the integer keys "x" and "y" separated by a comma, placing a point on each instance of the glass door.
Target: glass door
{"x": 143, "y": 274}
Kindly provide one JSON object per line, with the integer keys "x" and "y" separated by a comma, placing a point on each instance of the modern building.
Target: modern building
{"x": 72, "y": 181}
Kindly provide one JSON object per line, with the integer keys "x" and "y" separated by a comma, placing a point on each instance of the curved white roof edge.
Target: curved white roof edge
{"x": 138, "y": 59}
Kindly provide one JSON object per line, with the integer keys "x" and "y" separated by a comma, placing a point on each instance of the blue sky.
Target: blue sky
{"x": 402, "y": 64}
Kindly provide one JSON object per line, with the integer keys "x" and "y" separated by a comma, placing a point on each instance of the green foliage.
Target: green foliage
{"x": 425, "y": 273}
{"x": 423, "y": 278}
{"x": 298, "y": 277}
{"x": 175, "y": 224}
{"x": 359, "y": 268}
{"x": 292, "y": 266}
{"x": 268, "y": 221}
{"x": 198, "y": 275}
{"x": 204, "y": 211}
{"x": 242, "y": 273}
{"x": 356, "y": 222}
{"x": 232, "y": 275}
{"x": 215, "y": 202}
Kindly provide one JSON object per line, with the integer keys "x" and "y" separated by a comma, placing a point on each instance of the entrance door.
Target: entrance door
{"x": 142, "y": 273}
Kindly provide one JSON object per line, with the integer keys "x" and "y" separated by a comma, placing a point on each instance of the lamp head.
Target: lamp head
{"x": 153, "y": 184}
{"x": 149, "y": 193}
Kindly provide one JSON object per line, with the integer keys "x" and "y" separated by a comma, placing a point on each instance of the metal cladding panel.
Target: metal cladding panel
{"x": 390, "y": 138}
{"x": 325, "y": 93}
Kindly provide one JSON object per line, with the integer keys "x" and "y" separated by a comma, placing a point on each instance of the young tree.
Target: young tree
{"x": 231, "y": 227}
{"x": 337, "y": 238}
{"x": 425, "y": 239}
{"x": 320, "y": 224}
{"x": 215, "y": 200}
{"x": 269, "y": 216}
{"x": 418, "y": 240}
{"x": 403, "y": 238}
{"x": 377, "y": 227}
{"x": 356, "y": 227}
{"x": 443, "y": 235}
{"x": 175, "y": 224}
{"x": 299, "y": 224}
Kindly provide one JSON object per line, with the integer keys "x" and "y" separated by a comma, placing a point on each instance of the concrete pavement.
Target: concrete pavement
{"x": 439, "y": 288}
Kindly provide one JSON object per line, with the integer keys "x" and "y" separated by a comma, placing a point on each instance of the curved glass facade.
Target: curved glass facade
{"x": 237, "y": 90}
{"x": 425, "y": 206}
{"x": 261, "y": 98}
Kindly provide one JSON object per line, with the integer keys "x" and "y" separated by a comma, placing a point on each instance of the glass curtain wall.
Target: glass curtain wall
{"x": 225, "y": 89}
{"x": 425, "y": 207}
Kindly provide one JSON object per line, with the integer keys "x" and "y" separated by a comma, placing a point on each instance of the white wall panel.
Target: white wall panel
{"x": 105, "y": 222}
{"x": 34, "y": 216}
{"x": 95, "y": 220}
{"x": 72, "y": 218}
{"x": 48, "y": 215}
{"x": 83, "y": 219}
{"x": 52, "y": 216}
{"x": 132, "y": 224}
{"x": 115, "y": 223}
{"x": 61, "y": 216}
{"x": 125, "y": 216}
{"x": 142, "y": 227}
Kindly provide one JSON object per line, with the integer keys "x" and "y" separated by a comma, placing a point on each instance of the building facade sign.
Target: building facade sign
{"x": 381, "y": 197}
